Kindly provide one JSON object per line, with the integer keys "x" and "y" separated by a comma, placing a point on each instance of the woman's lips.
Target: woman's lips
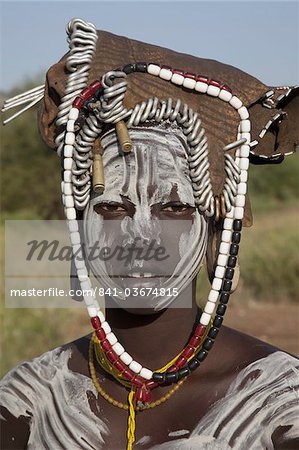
{"x": 144, "y": 275}
{"x": 140, "y": 279}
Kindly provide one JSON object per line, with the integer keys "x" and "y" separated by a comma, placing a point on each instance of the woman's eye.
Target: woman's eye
{"x": 176, "y": 208}
{"x": 109, "y": 207}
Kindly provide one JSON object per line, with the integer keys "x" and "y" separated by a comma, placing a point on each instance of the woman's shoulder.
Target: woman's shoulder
{"x": 22, "y": 390}
{"x": 239, "y": 350}
{"x": 254, "y": 391}
{"x": 24, "y": 383}
{"x": 45, "y": 393}
{"x": 260, "y": 407}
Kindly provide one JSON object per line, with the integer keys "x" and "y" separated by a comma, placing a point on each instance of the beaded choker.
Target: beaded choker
{"x": 132, "y": 405}
{"x": 144, "y": 380}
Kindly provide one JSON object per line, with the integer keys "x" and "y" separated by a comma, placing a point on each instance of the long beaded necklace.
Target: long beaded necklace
{"x": 132, "y": 407}
{"x": 142, "y": 379}
{"x": 83, "y": 117}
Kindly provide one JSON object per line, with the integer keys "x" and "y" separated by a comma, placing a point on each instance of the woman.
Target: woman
{"x": 174, "y": 147}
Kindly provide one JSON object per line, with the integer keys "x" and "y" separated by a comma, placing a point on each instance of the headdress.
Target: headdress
{"x": 229, "y": 119}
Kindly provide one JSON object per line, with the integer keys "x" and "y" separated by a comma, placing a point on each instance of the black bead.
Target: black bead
{"x": 229, "y": 273}
{"x": 227, "y": 285}
{"x": 98, "y": 93}
{"x": 201, "y": 355}
{"x": 234, "y": 248}
{"x": 213, "y": 332}
{"x": 171, "y": 377}
{"x": 232, "y": 261}
{"x": 159, "y": 377}
{"x": 208, "y": 344}
{"x": 183, "y": 372}
{"x": 224, "y": 297}
{"x": 217, "y": 321}
{"x": 193, "y": 364}
{"x": 129, "y": 68}
{"x": 221, "y": 310}
{"x": 141, "y": 67}
{"x": 236, "y": 237}
{"x": 237, "y": 225}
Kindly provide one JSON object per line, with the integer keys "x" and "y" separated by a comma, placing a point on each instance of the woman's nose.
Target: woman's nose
{"x": 142, "y": 225}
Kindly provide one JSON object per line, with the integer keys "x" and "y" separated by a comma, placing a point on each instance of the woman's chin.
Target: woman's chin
{"x": 142, "y": 311}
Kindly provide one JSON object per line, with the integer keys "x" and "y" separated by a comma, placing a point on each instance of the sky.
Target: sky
{"x": 260, "y": 38}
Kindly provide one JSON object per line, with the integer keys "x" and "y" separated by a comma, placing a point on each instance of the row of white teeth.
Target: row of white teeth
{"x": 141, "y": 275}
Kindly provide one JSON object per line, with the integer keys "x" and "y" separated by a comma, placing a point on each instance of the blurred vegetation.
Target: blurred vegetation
{"x": 30, "y": 188}
{"x": 30, "y": 178}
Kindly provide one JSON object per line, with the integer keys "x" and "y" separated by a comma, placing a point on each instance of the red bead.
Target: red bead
{"x": 214, "y": 83}
{"x": 147, "y": 398}
{"x": 86, "y": 93}
{"x": 119, "y": 365}
{"x": 190, "y": 75}
{"x": 187, "y": 352}
{"x": 139, "y": 395}
{"x": 178, "y": 71}
{"x": 106, "y": 346}
{"x": 95, "y": 86}
{"x": 95, "y": 322}
{"x": 137, "y": 381}
{"x": 226, "y": 88}
{"x": 194, "y": 341}
{"x": 202, "y": 79}
{"x": 128, "y": 374}
{"x": 200, "y": 330}
{"x": 78, "y": 102}
{"x": 111, "y": 356}
{"x": 172, "y": 368}
{"x": 101, "y": 335}
{"x": 181, "y": 362}
{"x": 151, "y": 384}
{"x": 166, "y": 67}
{"x": 143, "y": 395}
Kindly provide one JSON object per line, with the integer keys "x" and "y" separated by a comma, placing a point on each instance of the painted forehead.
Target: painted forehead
{"x": 155, "y": 171}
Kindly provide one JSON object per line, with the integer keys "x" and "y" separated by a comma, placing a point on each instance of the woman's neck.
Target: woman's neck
{"x": 153, "y": 340}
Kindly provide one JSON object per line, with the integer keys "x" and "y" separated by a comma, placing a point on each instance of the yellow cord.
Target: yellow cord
{"x": 131, "y": 406}
{"x": 131, "y": 420}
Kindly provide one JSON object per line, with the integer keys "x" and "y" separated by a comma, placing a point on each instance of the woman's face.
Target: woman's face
{"x": 150, "y": 238}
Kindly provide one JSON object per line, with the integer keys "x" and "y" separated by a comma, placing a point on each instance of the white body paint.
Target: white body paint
{"x": 178, "y": 433}
{"x": 56, "y": 398}
{"x": 147, "y": 176}
{"x": 262, "y": 398}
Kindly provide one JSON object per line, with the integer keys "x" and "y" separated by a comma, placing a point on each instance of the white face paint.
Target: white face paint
{"x": 154, "y": 174}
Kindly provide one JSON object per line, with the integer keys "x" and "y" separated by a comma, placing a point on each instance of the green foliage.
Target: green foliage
{"x": 270, "y": 185}
{"x": 30, "y": 172}
{"x": 269, "y": 257}
{"x": 29, "y": 332}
